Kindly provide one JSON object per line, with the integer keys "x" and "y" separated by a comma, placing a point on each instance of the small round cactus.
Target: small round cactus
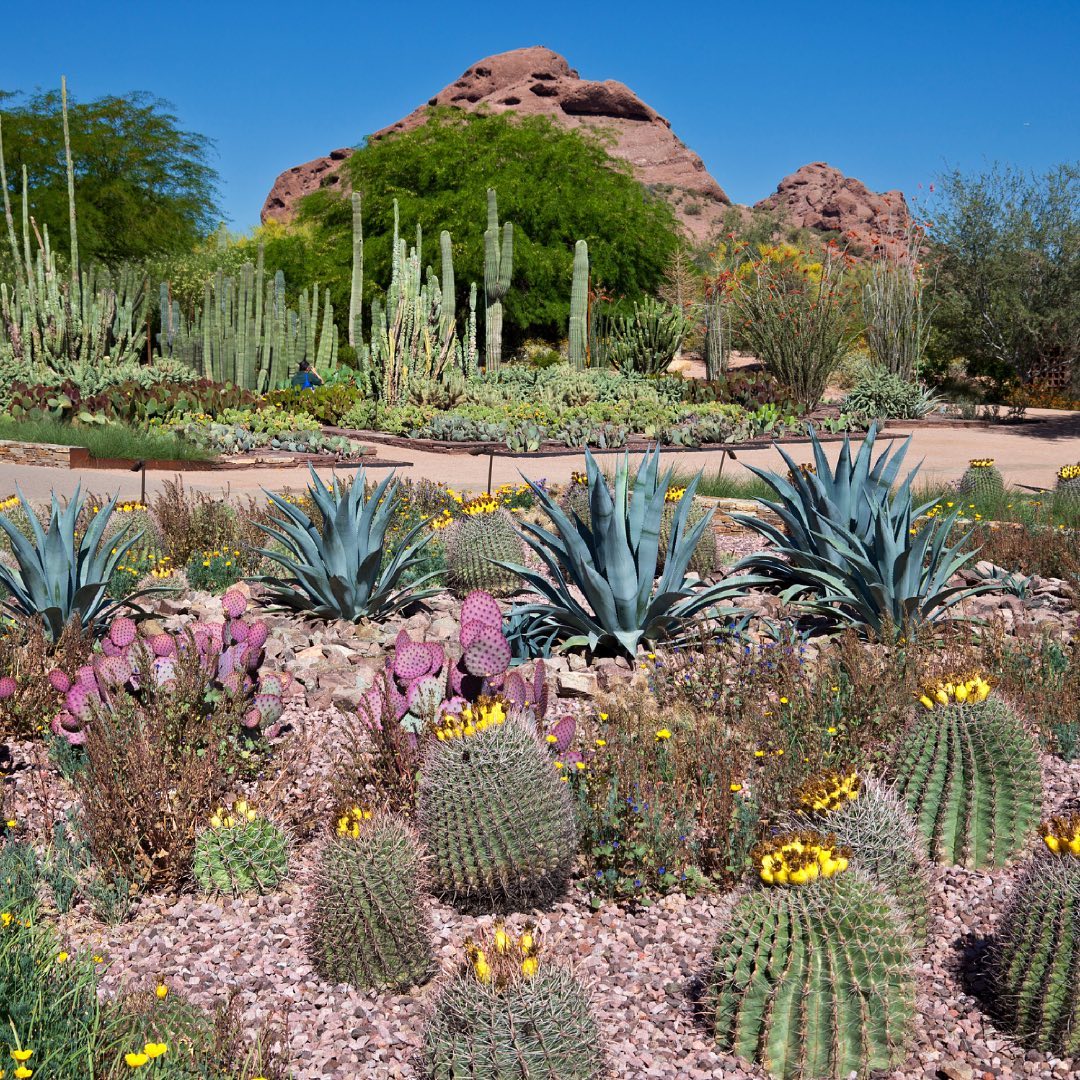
{"x": 982, "y": 480}
{"x": 1068, "y": 481}
{"x": 241, "y": 852}
{"x": 476, "y": 543}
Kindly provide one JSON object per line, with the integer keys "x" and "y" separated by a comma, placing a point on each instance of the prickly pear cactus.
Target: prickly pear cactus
{"x": 476, "y": 543}
{"x": 981, "y": 480}
{"x": 369, "y": 923}
{"x": 813, "y": 972}
{"x": 1035, "y": 957}
{"x": 494, "y": 815}
{"x": 510, "y": 1013}
{"x": 866, "y": 816}
{"x": 241, "y": 852}
{"x": 704, "y": 560}
{"x": 969, "y": 775}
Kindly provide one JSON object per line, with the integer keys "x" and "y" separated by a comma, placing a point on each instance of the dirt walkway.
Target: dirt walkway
{"x": 1028, "y": 454}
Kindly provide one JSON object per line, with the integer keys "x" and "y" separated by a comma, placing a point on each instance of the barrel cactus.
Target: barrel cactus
{"x": 1068, "y": 481}
{"x": 369, "y": 924}
{"x": 240, "y": 853}
{"x": 866, "y": 816}
{"x": 1035, "y": 968}
{"x": 704, "y": 560}
{"x": 969, "y": 774}
{"x": 475, "y": 545}
{"x": 510, "y": 1013}
{"x": 813, "y": 971}
{"x": 982, "y": 480}
{"x": 494, "y": 815}
{"x": 575, "y": 497}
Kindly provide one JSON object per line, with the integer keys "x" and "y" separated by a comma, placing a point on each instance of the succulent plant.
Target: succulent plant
{"x": 241, "y": 852}
{"x": 704, "y": 560}
{"x": 369, "y": 925}
{"x": 477, "y": 545}
{"x": 867, "y": 817}
{"x": 849, "y": 550}
{"x": 981, "y": 480}
{"x": 969, "y": 774}
{"x": 1068, "y": 481}
{"x": 493, "y": 813}
{"x": 1035, "y": 956}
{"x": 510, "y": 1013}
{"x": 338, "y": 572}
{"x": 813, "y": 971}
{"x": 600, "y": 585}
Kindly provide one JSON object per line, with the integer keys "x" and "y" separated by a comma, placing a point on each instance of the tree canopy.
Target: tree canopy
{"x": 143, "y": 186}
{"x": 556, "y": 187}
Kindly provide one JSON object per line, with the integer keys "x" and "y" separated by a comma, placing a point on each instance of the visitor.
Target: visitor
{"x": 306, "y": 377}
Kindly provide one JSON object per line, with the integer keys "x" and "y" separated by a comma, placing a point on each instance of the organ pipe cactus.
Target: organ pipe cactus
{"x": 338, "y": 572}
{"x": 579, "y": 307}
{"x": 1035, "y": 957}
{"x": 498, "y": 270}
{"x": 969, "y": 775}
{"x": 813, "y": 971}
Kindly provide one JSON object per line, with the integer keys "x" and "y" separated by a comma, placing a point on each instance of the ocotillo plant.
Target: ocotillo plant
{"x": 579, "y": 305}
{"x": 498, "y": 269}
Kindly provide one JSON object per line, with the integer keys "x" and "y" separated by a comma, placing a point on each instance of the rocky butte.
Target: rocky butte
{"x": 537, "y": 81}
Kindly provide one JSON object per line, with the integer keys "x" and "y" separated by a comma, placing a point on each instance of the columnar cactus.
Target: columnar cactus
{"x": 579, "y": 306}
{"x": 356, "y": 291}
{"x": 1035, "y": 958}
{"x": 981, "y": 480}
{"x": 813, "y": 971}
{"x": 969, "y": 774}
{"x": 241, "y": 852}
{"x": 476, "y": 543}
{"x": 369, "y": 925}
{"x": 866, "y": 816}
{"x": 510, "y": 1013}
{"x": 449, "y": 300}
{"x": 493, "y": 813}
{"x": 498, "y": 270}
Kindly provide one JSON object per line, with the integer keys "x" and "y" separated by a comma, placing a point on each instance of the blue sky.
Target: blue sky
{"x": 890, "y": 93}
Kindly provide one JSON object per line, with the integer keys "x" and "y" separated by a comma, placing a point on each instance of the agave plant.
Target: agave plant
{"x": 853, "y": 549}
{"x": 339, "y": 572}
{"x": 601, "y": 584}
{"x": 58, "y": 575}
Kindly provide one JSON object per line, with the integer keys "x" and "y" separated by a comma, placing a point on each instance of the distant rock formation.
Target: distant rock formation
{"x": 538, "y": 82}
{"x": 819, "y": 197}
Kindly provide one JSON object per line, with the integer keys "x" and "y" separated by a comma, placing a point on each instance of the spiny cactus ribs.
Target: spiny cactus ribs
{"x": 969, "y": 775}
{"x": 475, "y": 545}
{"x": 815, "y": 980}
{"x": 240, "y": 853}
{"x": 369, "y": 924}
{"x": 981, "y": 480}
{"x": 231, "y": 653}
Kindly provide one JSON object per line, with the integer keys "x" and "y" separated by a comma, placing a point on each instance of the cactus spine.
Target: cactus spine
{"x": 356, "y": 291}
{"x": 814, "y": 980}
{"x": 981, "y": 480}
{"x": 498, "y": 269}
{"x": 969, "y": 774}
{"x": 579, "y": 306}
{"x": 493, "y": 813}
{"x": 240, "y": 853}
{"x": 368, "y": 921}
{"x": 476, "y": 544}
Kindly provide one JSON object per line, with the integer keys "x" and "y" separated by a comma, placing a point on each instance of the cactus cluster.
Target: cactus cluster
{"x": 1068, "y": 480}
{"x": 510, "y": 1013}
{"x": 1035, "y": 958}
{"x": 704, "y": 560}
{"x": 969, "y": 774}
{"x": 476, "y": 543}
{"x": 231, "y": 653}
{"x": 241, "y": 852}
{"x": 869, "y": 819}
{"x": 368, "y": 919}
{"x": 494, "y": 815}
{"x": 813, "y": 971}
{"x": 981, "y": 480}
{"x": 498, "y": 270}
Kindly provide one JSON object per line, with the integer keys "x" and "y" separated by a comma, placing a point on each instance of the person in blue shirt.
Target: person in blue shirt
{"x": 306, "y": 376}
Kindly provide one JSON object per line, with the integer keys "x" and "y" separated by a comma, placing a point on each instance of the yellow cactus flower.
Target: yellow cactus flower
{"x": 529, "y": 966}
{"x": 799, "y": 858}
{"x": 1062, "y": 835}
{"x": 502, "y": 939}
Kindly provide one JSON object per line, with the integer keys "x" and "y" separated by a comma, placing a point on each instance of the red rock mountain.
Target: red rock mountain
{"x": 537, "y": 81}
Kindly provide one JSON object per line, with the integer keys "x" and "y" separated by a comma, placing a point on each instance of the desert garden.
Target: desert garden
{"x": 608, "y": 765}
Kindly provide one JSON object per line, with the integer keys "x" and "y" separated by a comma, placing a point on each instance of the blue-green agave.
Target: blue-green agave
{"x": 601, "y": 583}
{"x": 57, "y": 575}
{"x": 854, "y": 550}
{"x": 339, "y": 572}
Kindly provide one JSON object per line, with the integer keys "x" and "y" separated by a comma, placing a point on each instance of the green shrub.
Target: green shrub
{"x": 879, "y": 394}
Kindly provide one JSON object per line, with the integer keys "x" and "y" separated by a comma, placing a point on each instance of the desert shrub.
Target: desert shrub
{"x": 215, "y": 571}
{"x": 1046, "y": 551}
{"x": 189, "y": 523}
{"x": 879, "y": 394}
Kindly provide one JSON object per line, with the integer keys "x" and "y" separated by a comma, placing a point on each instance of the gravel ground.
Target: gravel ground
{"x": 642, "y": 966}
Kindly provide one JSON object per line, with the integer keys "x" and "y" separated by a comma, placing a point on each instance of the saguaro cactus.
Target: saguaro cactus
{"x": 356, "y": 293}
{"x": 579, "y": 305}
{"x": 449, "y": 305}
{"x": 498, "y": 268}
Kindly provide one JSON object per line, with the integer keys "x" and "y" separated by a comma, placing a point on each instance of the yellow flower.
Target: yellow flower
{"x": 783, "y": 701}
{"x": 663, "y": 734}
{"x": 155, "y": 1050}
{"x": 98, "y": 959}
{"x": 601, "y": 742}
{"x": 136, "y": 1061}
{"x": 529, "y": 966}
{"x": 22, "y": 1055}
{"x": 579, "y": 765}
{"x": 23, "y": 1073}
{"x": 736, "y": 787}
{"x": 61, "y": 958}
{"x": 162, "y": 991}
{"x": 5, "y": 918}
{"x": 552, "y": 739}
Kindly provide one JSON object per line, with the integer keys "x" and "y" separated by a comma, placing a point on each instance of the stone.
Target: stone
{"x": 576, "y": 683}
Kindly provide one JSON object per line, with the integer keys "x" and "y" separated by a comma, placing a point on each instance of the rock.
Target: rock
{"x": 819, "y": 197}
{"x": 536, "y": 81}
{"x": 576, "y": 684}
